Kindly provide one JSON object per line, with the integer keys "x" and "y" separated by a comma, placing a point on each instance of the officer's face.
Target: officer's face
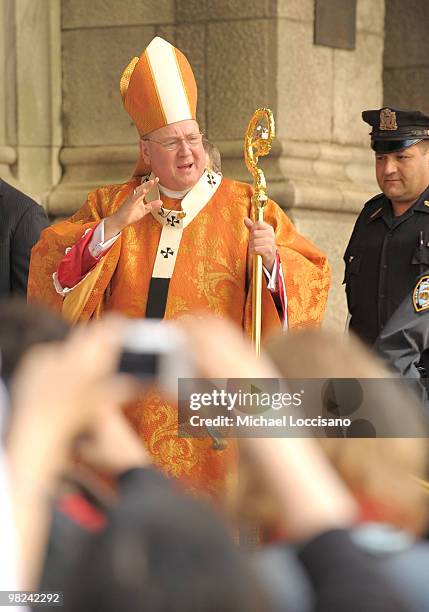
{"x": 403, "y": 175}
{"x": 180, "y": 168}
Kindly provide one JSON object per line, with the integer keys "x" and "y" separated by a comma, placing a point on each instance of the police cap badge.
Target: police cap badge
{"x": 394, "y": 129}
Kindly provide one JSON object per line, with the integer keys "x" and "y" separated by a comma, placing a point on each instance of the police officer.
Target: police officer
{"x": 389, "y": 246}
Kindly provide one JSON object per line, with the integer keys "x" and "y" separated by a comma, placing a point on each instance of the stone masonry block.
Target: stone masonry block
{"x": 407, "y": 88}
{"x": 215, "y": 10}
{"x": 331, "y": 233}
{"x": 406, "y": 39}
{"x": 357, "y": 86}
{"x": 370, "y": 16}
{"x": 99, "y": 13}
{"x": 35, "y": 99}
{"x": 166, "y": 31}
{"x": 4, "y": 25}
{"x": 300, "y": 10}
{"x": 305, "y": 84}
{"x": 34, "y": 168}
{"x": 190, "y": 39}
{"x": 240, "y": 73}
{"x": 8, "y": 74}
{"x": 92, "y": 67}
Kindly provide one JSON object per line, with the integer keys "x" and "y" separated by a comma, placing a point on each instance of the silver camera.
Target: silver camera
{"x": 156, "y": 350}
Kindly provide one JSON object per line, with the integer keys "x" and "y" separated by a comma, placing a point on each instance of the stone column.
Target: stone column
{"x": 8, "y": 92}
{"x": 30, "y": 103}
{"x": 38, "y": 108}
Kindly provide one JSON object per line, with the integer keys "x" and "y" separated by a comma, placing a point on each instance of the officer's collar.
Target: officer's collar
{"x": 422, "y": 205}
{"x": 379, "y": 210}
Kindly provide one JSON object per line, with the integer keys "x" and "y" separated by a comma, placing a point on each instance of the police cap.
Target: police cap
{"x": 394, "y": 129}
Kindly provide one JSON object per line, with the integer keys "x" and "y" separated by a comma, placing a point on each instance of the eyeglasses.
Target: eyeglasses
{"x": 192, "y": 140}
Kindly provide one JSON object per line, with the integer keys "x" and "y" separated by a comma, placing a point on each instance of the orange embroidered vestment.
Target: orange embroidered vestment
{"x": 212, "y": 273}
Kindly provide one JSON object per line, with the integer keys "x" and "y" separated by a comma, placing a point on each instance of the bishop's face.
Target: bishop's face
{"x": 176, "y": 154}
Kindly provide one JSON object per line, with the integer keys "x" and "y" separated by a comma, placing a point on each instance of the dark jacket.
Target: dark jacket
{"x": 405, "y": 338}
{"x": 384, "y": 257}
{"x": 21, "y": 222}
{"x": 339, "y": 569}
{"x": 156, "y": 537}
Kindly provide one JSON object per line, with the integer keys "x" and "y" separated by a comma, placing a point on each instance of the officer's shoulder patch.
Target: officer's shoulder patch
{"x": 421, "y": 294}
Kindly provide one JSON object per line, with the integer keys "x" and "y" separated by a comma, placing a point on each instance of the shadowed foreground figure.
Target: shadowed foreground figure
{"x": 162, "y": 552}
{"x": 21, "y": 221}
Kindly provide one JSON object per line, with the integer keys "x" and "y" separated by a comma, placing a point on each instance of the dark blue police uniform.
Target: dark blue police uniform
{"x": 385, "y": 253}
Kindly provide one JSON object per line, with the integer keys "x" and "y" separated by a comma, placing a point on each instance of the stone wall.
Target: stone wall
{"x": 406, "y": 55}
{"x": 245, "y": 55}
{"x": 320, "y": 169}
{"x": 99, "y": 38}
{"x": 325, "y": 161}
{"x": 8, "y": 95}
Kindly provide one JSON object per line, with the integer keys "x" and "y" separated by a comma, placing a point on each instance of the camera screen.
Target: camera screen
{"x": 141, "y": 365}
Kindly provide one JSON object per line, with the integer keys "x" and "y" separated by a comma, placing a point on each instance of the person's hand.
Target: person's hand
{"x": 132, "y": 210}
{"x": 310, "y": 495}
{"x": 112, "y": 446}
{"x": 61, "y": 390}
{"x": 262, "y": 241}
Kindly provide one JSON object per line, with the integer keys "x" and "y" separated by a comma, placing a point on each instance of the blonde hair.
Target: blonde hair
{"x": 380, "y": 470}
